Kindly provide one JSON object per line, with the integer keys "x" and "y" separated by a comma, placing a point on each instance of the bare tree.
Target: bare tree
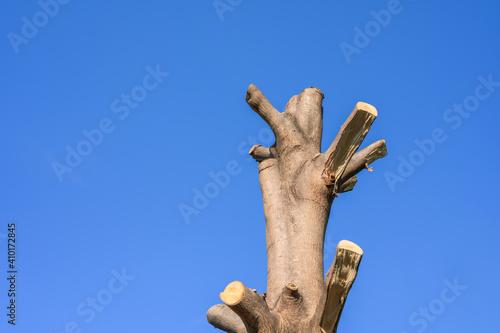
{"x": 298, "y": 185}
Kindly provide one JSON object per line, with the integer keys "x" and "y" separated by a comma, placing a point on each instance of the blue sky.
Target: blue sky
{"x": 115, "y": 115}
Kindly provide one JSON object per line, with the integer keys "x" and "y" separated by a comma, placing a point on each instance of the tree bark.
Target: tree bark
{"x": 299, "y": 184}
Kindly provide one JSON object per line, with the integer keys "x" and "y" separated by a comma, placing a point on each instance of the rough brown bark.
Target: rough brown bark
{"x": 298, "y": 185}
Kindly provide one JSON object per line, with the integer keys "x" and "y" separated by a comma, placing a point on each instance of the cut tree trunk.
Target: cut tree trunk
{"x": 299, "y": 184}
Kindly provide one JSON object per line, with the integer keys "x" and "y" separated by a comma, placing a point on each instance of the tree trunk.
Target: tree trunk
{"x": 298, "y": 185}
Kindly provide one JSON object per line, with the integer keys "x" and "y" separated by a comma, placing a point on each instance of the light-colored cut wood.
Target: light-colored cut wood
{"x": 233, "y": 293}
{"x": 339, "y": 281}
{"x": 250, "y": 306}
{"x": 348, "y": 140}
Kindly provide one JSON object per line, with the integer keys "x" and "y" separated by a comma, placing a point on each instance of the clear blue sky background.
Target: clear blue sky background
{"x": 119, "y": 207}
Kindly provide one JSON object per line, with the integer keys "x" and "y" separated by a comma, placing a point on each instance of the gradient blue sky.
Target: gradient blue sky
{"x": 118, "y": 210}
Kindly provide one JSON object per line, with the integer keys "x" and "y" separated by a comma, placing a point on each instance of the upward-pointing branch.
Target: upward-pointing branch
{"x": 259, "y": 103}
{"x": 347, "y": 141}
{"x": 339, "y": 280}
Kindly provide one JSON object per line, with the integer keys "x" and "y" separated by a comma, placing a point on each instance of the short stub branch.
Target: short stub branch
{"x": 291, "y": 290}
{"x": 260, "y": 153}
{"x": 339, "y": 280}
{"x": 291, "y": 305}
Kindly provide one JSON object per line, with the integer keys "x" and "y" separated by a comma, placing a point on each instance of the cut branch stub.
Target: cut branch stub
{"x": 250, "y": 306}
{"x": 291, "y": 305}
{"x": 339, "y": 280}
{"x": 347, "y": 141}
{"x": 291, "y": 290}
{"x": 260, "y": 153}
{"x": 362, "y": 159}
